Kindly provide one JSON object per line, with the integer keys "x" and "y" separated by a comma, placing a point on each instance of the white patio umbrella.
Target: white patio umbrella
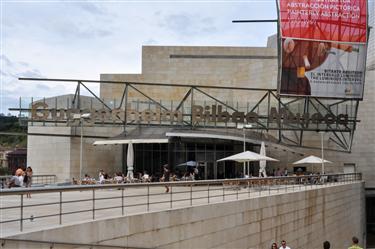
{"x": 247, "y": 156}
{"x": 130, "y": 161}
{"x": 187, "y": 164}
{"x": 262, "y": 163}
{"x": 312, "y": 160}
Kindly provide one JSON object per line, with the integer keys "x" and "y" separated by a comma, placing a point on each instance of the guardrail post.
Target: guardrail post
{"x": 148, "y": 198}
{"x": 286, "y": 186}
{"x": 259, "y": 187}
{"x": 208, "y": 193}
{"x": 93, "y": 204}
{"x": 21, "y": 219}
{"x": 269, "y": 189}
{"x": 278, "y": 185}
{"x": 223, "y": 193}
{"x": 191, "y": 194}
{"x": 122, "y": 201}
{"x": 171, "y": 199}
{"x": 60, "y": 211}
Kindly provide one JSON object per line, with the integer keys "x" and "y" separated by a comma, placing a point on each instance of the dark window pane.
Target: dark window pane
{"x": 210, "y": 146}
{"x": 148, "y": 147}
{"x": 201, "y": 147}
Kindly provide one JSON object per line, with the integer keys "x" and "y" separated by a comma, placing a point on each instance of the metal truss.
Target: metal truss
{"x": 289, "y": 133}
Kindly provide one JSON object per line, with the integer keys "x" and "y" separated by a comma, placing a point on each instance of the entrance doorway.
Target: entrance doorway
{"x": 206, "y": 152}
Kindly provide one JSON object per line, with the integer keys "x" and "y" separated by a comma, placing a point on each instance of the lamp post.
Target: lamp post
{"x": 243, "y": 127}
{"x": 81, "y": 118}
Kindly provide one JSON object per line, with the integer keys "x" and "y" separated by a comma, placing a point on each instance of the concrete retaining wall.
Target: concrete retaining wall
{"x": 304, "y": 219}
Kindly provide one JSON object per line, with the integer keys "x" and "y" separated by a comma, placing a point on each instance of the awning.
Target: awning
{"x": 134, "y": 141}
{"x": 233, "y": 135}
{"x": 144, "y": 135}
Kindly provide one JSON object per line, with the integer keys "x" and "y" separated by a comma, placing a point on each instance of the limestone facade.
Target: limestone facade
{"x": 245, "y": 67}
{"x": 54, "y": 148}
{"x": 253, "y": 67}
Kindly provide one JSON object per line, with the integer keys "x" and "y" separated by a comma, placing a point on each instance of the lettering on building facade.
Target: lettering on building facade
{"x": 214, "y": 114}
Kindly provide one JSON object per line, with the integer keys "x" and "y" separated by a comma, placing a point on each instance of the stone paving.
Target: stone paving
{"x": 135, "y": 201}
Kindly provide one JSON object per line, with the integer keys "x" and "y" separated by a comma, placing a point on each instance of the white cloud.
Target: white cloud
{"x": 13, "y": 89}
{"x": 83, "y": 39}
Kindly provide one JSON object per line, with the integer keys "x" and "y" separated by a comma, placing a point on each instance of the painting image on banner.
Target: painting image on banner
{"x": 322, "y": 69}
{"x": 324, "y": 20}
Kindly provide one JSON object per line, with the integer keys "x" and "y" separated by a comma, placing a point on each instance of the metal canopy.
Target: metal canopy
{"x": 127, "y": 141}
{"x": 137, "y": 136}
{"x": 288, "y": 133}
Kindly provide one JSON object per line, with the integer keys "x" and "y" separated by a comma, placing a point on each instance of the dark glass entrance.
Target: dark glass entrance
{"x": 148, "y": 157}
{"x": 205, "y": 152}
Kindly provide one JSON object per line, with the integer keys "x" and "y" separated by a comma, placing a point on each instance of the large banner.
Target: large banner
{"x": 324, "y": 48}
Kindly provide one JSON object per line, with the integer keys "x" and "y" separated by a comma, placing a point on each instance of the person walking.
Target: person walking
{"x": 166, "y": 174}
{"x": 355, "y": 243}
{"x": 283, "y": 245}
{"x": 274, "y": 246}
{"x": 27, "y": 180}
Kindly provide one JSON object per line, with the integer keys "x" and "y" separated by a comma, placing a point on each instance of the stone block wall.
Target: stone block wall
{"x": 253, "y": 67}
{"x": 60, "y": 155}
{"x": 48, "y": 155}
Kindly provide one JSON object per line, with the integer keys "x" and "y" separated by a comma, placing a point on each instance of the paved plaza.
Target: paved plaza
{"x": 135, "y": 202}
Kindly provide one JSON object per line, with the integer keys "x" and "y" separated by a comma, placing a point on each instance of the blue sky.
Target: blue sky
{"x": 81, "y": 39}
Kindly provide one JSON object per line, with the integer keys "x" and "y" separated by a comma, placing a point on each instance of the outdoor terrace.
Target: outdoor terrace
{"x": 53, "y": 206}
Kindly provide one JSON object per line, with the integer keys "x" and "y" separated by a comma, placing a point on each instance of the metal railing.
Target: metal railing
{"x": 37, "y": 179}
{"x": 92, "y": 201}
{"x": 37, "y": 243}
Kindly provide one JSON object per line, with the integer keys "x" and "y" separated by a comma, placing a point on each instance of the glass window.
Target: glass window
{"x": 148, "y": 147}
{"x": 210, "y": 146}
{"x": 201, "y": 147}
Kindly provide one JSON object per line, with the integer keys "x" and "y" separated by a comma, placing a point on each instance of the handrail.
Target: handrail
{"x": 41, "y": 175}
{"x": 186, "y": 193}
{"x": 48, "y": 189}
{"x": 37, "y": 179}
{"x": 53, "y": 243}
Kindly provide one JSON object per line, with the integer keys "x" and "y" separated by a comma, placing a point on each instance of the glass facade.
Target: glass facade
{"x": 204, "y": 152}
{"x": 148, "y": 157}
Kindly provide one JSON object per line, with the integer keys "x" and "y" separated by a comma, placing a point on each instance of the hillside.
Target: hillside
{"x": 11, "y": 124}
